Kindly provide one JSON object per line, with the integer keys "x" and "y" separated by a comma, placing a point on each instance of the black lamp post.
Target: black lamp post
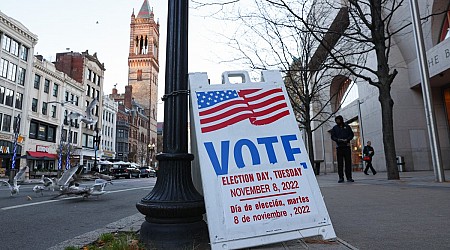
{"x": 174, "y": 209}
{"x": 61, "y": 133}
{"x": 97, "y": 139}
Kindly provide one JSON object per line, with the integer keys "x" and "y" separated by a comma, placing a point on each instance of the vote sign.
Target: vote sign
{"x": 258, "y": 183}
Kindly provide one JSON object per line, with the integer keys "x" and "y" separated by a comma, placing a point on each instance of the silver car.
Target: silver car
{"x": 147, "y": 172}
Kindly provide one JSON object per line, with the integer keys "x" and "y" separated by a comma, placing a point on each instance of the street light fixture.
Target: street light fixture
{"x": 151, "y": 148}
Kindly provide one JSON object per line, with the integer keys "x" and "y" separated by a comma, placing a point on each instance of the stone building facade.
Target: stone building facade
{"x": 143, "y": 63}
{"x": 89, "y": 71}
{"x": 410, "y": 126}
{"x": 16, "y": 67}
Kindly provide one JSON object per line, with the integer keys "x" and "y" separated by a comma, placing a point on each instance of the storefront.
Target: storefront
{"x": 356, "y": 147}
{"x": 6, "y": 155}
{"x": 41, "y": 160}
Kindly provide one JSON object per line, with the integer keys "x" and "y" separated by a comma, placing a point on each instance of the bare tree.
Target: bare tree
{"x": 371, "y": 28}
{"x": 268, "y": 38}
{"x": 66, "y": 148}
{"x": 371, "y": 32}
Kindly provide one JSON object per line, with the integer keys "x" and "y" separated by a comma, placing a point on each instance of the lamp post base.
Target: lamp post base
{"x": 173, "y": 209}
{"x": 175, "y": 236}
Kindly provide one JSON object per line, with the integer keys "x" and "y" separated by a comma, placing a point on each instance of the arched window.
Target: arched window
{"x": 445, "y": 31}
{"x": 145, "y": 49}
{"x": 139, "y": 75}
{"x": 141, "y": 45}
{"x": 155, "y": 50}
{"x": 136, "y": 45}
{"x": 342, "y": 92}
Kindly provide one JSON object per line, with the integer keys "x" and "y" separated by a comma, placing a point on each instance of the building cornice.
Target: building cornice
{"x": 18, "y": 27}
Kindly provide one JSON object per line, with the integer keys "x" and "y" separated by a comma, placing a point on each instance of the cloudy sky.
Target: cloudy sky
{"x": 103, "y": 26}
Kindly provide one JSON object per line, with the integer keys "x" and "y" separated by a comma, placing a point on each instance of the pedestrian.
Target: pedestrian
{"x": 342, "y": 134}
{"x": 368, "y": 154}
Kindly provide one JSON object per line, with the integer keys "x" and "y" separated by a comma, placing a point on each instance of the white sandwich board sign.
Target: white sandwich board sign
{"x": 258, "y": 183}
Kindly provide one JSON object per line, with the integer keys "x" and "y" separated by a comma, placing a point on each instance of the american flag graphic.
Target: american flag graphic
{"x": 222, "y": 108}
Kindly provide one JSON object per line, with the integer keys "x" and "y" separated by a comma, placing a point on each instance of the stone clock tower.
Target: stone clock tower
{"x": 143, "y": 62}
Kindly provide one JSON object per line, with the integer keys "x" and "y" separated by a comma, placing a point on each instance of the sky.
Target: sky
{"x": 103, "y": 26}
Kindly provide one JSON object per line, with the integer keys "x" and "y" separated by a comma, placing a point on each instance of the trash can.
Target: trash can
{"x": 401, "y": 163}
{"x": 317, "y": 166}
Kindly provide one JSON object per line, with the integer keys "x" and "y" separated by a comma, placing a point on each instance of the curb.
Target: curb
{"x": 130, "y": 223}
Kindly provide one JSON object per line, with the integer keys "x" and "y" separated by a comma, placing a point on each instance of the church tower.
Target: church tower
{"x": 143, "y": 63}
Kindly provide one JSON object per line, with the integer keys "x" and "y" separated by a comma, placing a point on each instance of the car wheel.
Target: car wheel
{"x": 128, "y": 176}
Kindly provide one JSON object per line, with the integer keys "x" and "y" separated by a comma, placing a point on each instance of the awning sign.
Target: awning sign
{"x": 258, "y": 183}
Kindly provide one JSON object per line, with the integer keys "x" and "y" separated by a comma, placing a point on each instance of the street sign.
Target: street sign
{"x": 258, "y": 183}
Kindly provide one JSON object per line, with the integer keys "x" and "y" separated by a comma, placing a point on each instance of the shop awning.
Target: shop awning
{"x": 41, "y": 155}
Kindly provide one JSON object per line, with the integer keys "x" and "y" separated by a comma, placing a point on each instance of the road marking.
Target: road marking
{"x": 37, "y": 203}
{"x": 67, "y": 198}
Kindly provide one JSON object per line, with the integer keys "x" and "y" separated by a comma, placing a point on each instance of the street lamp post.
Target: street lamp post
{"x": 97, "y": 139}
{"x": 174, "y": 209}
{"x": 61, "y": 143}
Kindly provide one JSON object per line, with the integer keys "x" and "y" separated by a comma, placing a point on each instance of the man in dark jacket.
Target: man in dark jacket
{"x": 369, "y": 152}
{"x": 342, "y": 134}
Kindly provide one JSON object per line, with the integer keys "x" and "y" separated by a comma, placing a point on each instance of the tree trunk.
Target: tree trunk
{"x": 309, "y": 146}
{"x": 387, "y": 105}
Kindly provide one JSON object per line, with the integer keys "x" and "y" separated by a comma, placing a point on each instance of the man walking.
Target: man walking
{"x": 368, "y": 153}
{"x": 342, "y": 134}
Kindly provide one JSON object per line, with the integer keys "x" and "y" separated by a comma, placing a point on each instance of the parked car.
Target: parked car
{"x": 147, "y": 172}
{"x": 135, "y": 172}
{"x": 126, "y": 171}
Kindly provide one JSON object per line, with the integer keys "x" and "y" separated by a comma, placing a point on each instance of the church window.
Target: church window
{"x": 146, "y": 45}
{"x": 141, "y": 45}
{"x": 139, "y": 75}
{"x": 136, "y": 46}
{"x": 155, "y": 50}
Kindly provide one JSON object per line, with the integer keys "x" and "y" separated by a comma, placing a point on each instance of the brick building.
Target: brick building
{"x": 89, "y": 71}
{"x": 143, "y": 63}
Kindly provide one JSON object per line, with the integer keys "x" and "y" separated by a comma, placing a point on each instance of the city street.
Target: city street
{"x": 43, "y": 222}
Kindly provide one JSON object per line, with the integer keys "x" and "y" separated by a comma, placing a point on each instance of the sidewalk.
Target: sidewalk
{"x": 371, "y": 213}
{"x": 374, "y": 213}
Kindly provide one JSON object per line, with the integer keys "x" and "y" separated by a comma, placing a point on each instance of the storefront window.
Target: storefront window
{"x": 33, "y": 130}
{"x": 41, "y": 132}
{"x": 51, "y": 134}
{"x": 356, "y": 146}
{"x": 447, "y": 103}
